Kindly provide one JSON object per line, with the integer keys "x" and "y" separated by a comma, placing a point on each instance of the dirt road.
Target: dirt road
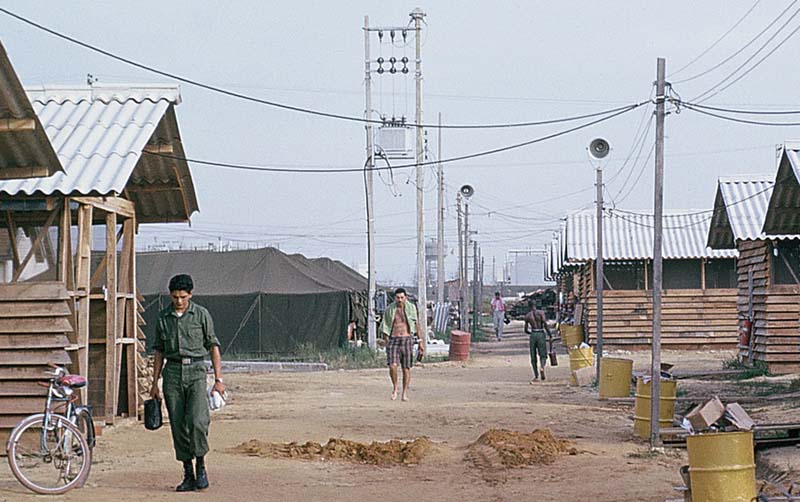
{"x": 452, "y": 404}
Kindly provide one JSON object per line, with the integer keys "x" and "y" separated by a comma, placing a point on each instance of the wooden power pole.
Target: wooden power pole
{"x": 658, "y": 214}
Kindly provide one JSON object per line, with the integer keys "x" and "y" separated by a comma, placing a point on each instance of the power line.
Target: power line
{"x": 284, "y": 106}
{"x": 740, "y": 120}
{"x": 483, "y": 153}
{"x": 717, "y": 90}
{"x": 720, "y": 39}
{"x": 740, "y": 50}
{"x": 743, "y": 112}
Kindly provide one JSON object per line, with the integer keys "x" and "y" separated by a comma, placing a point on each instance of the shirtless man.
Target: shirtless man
{"x": 538, "y": 344}
{"x": 399, "y": 325}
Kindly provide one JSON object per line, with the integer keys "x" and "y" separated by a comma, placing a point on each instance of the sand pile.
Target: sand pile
{"x": 498, "y": 450}
{"x": 387, "y": 453}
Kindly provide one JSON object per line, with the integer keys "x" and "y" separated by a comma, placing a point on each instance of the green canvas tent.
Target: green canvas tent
{"x": 263, "y": 301}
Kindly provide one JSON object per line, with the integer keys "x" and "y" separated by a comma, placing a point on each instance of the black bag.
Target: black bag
{"x": 152, "y": 414}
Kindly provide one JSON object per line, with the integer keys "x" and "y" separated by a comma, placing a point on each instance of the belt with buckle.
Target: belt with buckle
{"x": 185, "y": 360}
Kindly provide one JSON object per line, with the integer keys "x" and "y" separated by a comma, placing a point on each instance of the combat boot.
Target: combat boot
{"x": 189, "y": 484}
{"x": 201, "y": 481}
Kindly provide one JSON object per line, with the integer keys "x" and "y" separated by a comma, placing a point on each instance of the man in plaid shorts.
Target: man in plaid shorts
{"x": 400, "y": 325}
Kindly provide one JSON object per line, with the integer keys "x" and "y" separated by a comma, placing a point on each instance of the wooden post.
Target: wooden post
{"x": 12, "y": 238}
{"x": 703, "y": 274}
{"x": 82, "y": 287}
{"x": 111, "y": 366}
{"x": 130, "y": 330}
{"x": 36, "y": 243}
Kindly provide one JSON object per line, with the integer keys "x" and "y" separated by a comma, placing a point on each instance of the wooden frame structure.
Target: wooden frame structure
{"x": 104, "y": 313}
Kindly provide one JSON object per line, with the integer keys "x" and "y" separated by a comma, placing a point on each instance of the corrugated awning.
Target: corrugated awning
{"x": 102, "y": 135}
{"x": 629, "y": 236}
{"x": 25, "y": 150}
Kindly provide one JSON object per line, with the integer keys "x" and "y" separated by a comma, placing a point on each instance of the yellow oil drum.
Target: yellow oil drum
{"x": 641, "y": 413}
{"x": 571, "y": 336}
{"x": 579, "y": 358}
{"x": 615, "y": 377}
{"x": 722, "y": 466}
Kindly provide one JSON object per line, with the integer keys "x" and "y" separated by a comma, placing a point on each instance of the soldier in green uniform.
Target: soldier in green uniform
{"x": 184, "y": 335}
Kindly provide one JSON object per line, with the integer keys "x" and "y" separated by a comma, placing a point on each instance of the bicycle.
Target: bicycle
{"x": 50, "y": 453}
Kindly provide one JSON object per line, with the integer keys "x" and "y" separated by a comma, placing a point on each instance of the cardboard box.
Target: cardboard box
{"x": 738, "y": 417}
{"x": 585, "y": 376}
{"x": 704, "y": 416}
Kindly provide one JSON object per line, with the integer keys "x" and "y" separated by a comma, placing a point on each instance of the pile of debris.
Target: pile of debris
{"x": 713, "y": 416}
{"x": 394, "y": 452}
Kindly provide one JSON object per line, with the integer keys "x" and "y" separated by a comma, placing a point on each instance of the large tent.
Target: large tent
{"x": 263, "y": 301}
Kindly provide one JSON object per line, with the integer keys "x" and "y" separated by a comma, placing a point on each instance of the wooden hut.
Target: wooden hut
{"x": 699, "y": 295}
{"x": 769, "y": 254}
{"x": 120, "y": 164}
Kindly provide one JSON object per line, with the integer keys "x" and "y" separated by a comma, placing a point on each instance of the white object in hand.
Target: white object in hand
{"x": 215, "y": 400}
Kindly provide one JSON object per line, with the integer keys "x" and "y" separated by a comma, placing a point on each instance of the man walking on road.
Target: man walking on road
{"x": 538, "y": 344}
{"x": 400, "y": 325}
{"x": 184, "y": 335}
{"x": 498, "y": 315}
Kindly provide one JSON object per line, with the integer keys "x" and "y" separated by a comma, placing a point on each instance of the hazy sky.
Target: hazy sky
{"x": 484, "y": 62}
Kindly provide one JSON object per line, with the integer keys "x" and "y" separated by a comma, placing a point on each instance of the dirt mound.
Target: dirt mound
{"x": 498, "y": 450}
{"x": 387, "y": 453}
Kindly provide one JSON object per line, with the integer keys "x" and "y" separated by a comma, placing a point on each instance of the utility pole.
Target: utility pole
{"x": 422, "y": 282}
{"x": 475, "y": 304}
{"x": 461, "y": 298}
{"x": 465, "y": 293}
{"x": 370, "y": 164}
{"x": 658, "y": 210}
{"x": 440, "y": 226}
{"x": 599, "y": 268}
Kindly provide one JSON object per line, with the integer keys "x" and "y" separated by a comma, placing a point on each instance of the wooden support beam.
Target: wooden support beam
{"x": 163, "y": 148}
{"x": 102, "y": 266}
{"x": 14, "y": 173}
{"x": 116, "y": 205}
{"x": 131, "y": 314}
{"x": 82, "y": 288}
{"x": 12, "y": 238}
{"x": 36, "y": 243}
{"x": 111, "y": 362}
{"x": 12, "y": 125}
{"x": 183, "y": 191}
{"x": 153, "y": 188}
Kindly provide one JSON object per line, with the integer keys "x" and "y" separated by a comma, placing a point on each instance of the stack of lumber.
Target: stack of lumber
{"x": 34, "y": 329}
{"x": 691, "y": 319}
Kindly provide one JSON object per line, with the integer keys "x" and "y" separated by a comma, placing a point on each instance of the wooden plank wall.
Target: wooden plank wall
{"x": 776, "y": 310}
{"x": 691, "y": 319}
{"x": 34, "y": 324}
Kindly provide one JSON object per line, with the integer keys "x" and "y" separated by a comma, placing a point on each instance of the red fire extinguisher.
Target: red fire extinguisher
{"x": 745, "y": 331}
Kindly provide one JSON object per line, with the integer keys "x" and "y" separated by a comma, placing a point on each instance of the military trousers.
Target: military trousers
{"x": 187, "y": 404}
{"x": 538, "y": 347}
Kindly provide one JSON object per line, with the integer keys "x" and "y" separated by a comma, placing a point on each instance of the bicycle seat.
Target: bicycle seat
{"x": 74, "y": 381}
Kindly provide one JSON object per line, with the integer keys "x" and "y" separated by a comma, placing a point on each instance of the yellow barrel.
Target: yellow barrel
{"x": 615, "y": 377}
{"x": 579, "y": 358}
{"x": 641, "y": 413}
{"x": 722, "y": 466}
{"x": 571, "y": 336}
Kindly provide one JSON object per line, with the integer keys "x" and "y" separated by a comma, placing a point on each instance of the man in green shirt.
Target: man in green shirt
{"x": 400, "y": 325}
{"x": 184, "y": 336}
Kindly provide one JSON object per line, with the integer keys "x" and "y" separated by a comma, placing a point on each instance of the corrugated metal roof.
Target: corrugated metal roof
{"x": 740, "y": 206}
{"x": 100, "y": 134}
{"x": 783, "y": 213}
{"x": 24, "y": 151}
{"x": 629, "y": 236}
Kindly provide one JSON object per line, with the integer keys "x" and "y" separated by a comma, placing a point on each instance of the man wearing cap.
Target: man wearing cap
{"x": 184, "y": 336}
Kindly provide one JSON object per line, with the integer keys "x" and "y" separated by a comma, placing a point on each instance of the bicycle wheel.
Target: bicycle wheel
{"x": 85, "y": 423}
{"x": 48, "y": 460}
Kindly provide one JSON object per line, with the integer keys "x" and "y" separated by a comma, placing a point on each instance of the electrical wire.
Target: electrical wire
{"x": 743, "y": 112}
{"x": 741, "y": 49}
{"x": 284, "y": 106}
{"x": 639, "y": 176}
{"x": 720, "y": 39}
{"x": 483, "y": 153}
{"x": 708, "y": 94}
{"x": 740, "y": 120}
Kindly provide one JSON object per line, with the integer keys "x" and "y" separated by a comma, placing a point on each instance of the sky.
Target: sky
{"x": 483, "y": 63}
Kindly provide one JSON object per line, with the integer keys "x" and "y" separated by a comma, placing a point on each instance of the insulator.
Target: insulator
{"x": 380, "y": 69}
{"x": 392, "y": 70}
{"x": 380, "y": 60}
{"x": 405, "y": 34}
{"x": 391, "y": 34}
{"x": 405, "y": 69}
{"x": 404, "y": 60}
{"x": 380, "y": 35}
{"x": 393, "y": 60}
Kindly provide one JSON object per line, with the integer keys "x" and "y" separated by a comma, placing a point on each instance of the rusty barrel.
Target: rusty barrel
{"x": 459, "y": 345}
